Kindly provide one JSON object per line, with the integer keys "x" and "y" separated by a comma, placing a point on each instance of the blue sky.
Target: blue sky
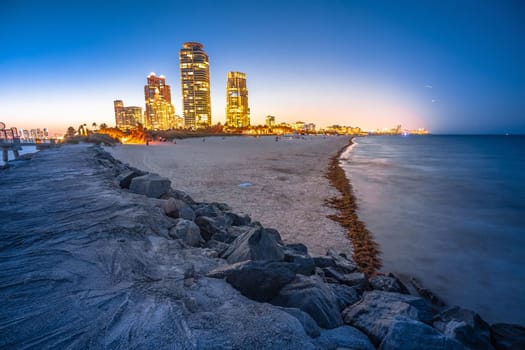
{"x": 449, "y": 66}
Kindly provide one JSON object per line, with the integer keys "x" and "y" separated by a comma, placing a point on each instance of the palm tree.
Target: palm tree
{"x": 94, "y": 125}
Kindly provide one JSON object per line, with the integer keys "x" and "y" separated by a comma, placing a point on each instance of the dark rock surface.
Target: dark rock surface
{"x": 407, "y": 334}
{"x": 508, "y": 336}
{"x": 377, "y": 310}
{"x": 465, "y": 326}
{"x": 150, "y": 185}
{"x": 256, "y": 244}
{"x": 344, "y": 337}
{"x": 177, "y": 208}
{"x": 312, "y": 296}
{"x": 388, "y": 284}
{"x": 187, "y": 231}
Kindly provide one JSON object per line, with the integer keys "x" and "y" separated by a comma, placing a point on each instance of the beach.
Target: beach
{"x": 281, "y": 184}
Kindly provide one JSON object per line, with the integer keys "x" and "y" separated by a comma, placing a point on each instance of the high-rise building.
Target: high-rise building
{"x": 195, "y": 82}
{"x": 160, "y": 113}
{"x": 127, "y": 117}
{"x": 237, "y": 110}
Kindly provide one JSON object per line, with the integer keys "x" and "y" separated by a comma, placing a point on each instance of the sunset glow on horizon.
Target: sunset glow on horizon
{"x": 372, "y": 64}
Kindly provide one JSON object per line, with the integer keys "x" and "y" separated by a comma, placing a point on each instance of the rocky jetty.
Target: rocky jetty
{"x": 95, "y": 254}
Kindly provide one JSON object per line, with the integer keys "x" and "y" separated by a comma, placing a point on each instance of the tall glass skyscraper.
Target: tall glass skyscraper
{"x": 195, "y": 81}
{"x": 237, "y": 111}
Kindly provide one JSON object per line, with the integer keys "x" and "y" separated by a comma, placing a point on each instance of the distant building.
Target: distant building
{"x": 195, "y": 85}
{"x": 160, "y": 113}
{"x": 270, "y": 121}
{"x": 127, "y": 117}
{"x": 299, "y": 126}
{"x": 237, "y": 110}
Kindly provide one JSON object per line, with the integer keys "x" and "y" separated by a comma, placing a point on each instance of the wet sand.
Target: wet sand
{"x": 281, "y": 184}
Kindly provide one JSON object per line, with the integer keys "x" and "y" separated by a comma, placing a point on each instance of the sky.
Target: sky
{"x": 447, "y": 66}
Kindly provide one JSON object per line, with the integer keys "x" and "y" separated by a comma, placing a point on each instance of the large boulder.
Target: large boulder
{"x": 150, "y": 185}
{"x": 344, "y": 264}
{"x": 465, "y": 326}
{"x": 354, "y": 279}
{"x": 345, "y": 337}
{"x": 375, "y": 313}
{"x": 409, "y": 334}
{"x": 314, "y": 297}
{"x": 508, "y": 336}
{"x": 238, "y": 220}
{"x": 210, "y": 226}
{"x": 257, "y": 280}
{"x": 298, "y": 254}
{"x": 310, "y": 327}
{"x": 177, "y": 208}
{"x": 187, "y": 231}
{"x": 255, "y": 244}
{"x": 124, "y": 179}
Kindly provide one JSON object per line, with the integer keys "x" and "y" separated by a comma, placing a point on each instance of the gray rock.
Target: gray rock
{"x": 312, "y": 296}
{"x": 323, "y": 261}
{"x": 344, "y": 295}
{"x": 255, "y": 244}
{"x": 465, "y": 326}
{"x": 188, "y": 232}
{"x": 310, "y": 327}
{"x": 344, "y": 264}
{"x": 275, "y": 234}
{"x": 343, "y": 337}
{"x": 508, "y": 336}
{"x": 218, "y": 246}
{"x": 354, "y": 279}
{"x": 296, "y": 248}
{"x": 257, "y": 280}
{"x": 183, "y": 196}
{"x": 238, "y": 220}
{"x": 409, "y": 334}
{"x": 209, "y": 226}
{"x": 150, "y": 185}
{"x": 375, "y": 313}
{"x": 305, "y": 264}
{"x": 177, "y": 208}
{"x": 207, "y": 210}
{"x": 123, "y": 180}
{"x": 388, "y": 284}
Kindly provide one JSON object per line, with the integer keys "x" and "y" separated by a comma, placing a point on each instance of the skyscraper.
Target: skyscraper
{"x": 160, "y": 113}
{"x": 127, "y": 117}
{"x": 237, "y": 111}
{"x": 195, "y": 81}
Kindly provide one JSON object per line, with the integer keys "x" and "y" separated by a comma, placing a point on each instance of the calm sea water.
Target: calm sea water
{"x": 449, "y": 210}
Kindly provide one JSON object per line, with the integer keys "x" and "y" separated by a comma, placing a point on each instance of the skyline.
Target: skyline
{"x": 450, "y": 68}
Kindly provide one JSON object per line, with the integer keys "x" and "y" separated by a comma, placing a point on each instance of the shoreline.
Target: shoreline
{"x": 365, "y": 250}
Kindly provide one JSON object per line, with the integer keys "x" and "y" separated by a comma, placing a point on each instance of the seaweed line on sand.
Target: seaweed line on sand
{"x": 365, "y": 249}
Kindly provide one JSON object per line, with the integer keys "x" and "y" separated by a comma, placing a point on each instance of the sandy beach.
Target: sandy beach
{"x": 280, "y": 184}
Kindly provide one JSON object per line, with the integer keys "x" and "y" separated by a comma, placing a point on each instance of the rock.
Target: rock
{"x": 209, "y": 226}
{"x": 188, "y": 231}
{"x": 219, "y": 247}
{"x": 427, "y": 294}
{"x": 354, "y": 279}
{"x": 508, "y": 336}
{"x": 312, "y": 296}
{"x": 409, "y": 334}
{"x": 257, "y": 280}
{"x": 177, "y": 208}
{"x": 275, "y": 234}
{"x": 150, "y": 185}
{"x": 223, "y": 236}
{"x": 344, "y": 295}
{"x": 223, "y": 207}
{"x": 296, "y": 248}
{"x": 323, "y": 261}
{"x": 238, "y": 220}
{"x": 207, "y": 210}
{"x": 388, "y": 284}
{"x": 343, "y": 337}
{"x": 304, "y": 263}
{"x": 343, "y": 264}
{"x": 465, "y": 326}
{"x": 255, "y": 244}
{"x": 310, "y": 327}
{"x": 375, "y": 313}
{"x": 183, "y": 196}
{"x": 124, "y": 179}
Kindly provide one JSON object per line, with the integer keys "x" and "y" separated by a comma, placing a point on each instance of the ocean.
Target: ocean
{"x": 450, "y": 211}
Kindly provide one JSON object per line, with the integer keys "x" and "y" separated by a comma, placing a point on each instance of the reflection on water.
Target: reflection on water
{"x": 449, "y": 210}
